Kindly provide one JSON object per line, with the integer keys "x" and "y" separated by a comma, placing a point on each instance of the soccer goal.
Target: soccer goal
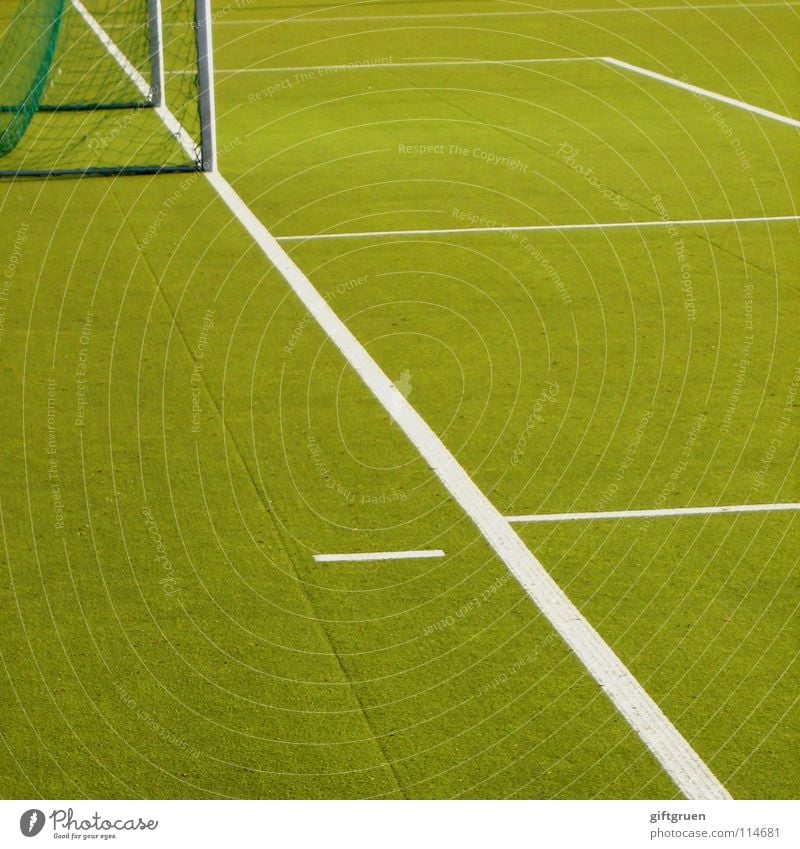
{"x": 105, "y": 87}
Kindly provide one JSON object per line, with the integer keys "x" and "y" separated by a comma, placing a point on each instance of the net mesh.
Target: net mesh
{"x": 76, "y": 83}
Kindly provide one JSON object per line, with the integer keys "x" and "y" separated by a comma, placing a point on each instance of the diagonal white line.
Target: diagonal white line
{"x": 689, "y": 772}
{"x": 169, "y": 120}
{"x": 356, "y": 557}
{"x": 644, "y": 514}
{"x": 533, "y": 228}
{"x": 730, "y": 101}
{"x": 116, "y": 54}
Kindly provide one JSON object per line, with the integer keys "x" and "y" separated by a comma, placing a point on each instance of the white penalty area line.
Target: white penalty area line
{"x": 534, "y": 228}
{"x": 521, "y": 13}
{"x": 681, "y": 762}
{"x": 646, "y": 514}
{"x": 702, "y": 92}
{"x": 356, "y": 557}
{"x": 376, "y": 65}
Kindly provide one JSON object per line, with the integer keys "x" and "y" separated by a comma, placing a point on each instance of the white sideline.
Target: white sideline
{"x": 170, "y": 121}
{"x": 506, "y": 14}
{"x": 730, "y": 101}
{"x": 689, "y": 772}
{"x": 644, "y": 514}
{"x": 368, "y": 65}
{"x": 356, "y": 557}
{"x": 534, "y": 228}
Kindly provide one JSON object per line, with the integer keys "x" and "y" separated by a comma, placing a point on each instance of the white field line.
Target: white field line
{"x": 377, "y": 65}
{"x": 522, "y": 13}
{"x": 533, "y": 228}
{"x": 356, "y": 557}
{"x": 712, "y": 95}
{"x": 170, "y": 121}
{"x": 645, "y": 514}
{"x": 689, "y": 772}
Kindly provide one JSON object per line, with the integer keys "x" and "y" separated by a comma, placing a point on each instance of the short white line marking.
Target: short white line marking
{"x": 378, "y": 555}
{"x": 686, "y": 768}
{"x": 531, "y": 228}
{"x": 376, "y": 66}
{"x": 721, "y": 98}
{"x": 643, "y": 514}
{"x": 523, "y": 13}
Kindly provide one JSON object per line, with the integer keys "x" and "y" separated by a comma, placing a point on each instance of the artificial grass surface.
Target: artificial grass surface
{"x": 220, "y": 423}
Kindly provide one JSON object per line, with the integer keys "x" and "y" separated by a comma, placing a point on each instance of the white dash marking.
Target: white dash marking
{"x": 646, "y": 514}
{"x": 378, "y": 555}
{"x": 712, "y": 95}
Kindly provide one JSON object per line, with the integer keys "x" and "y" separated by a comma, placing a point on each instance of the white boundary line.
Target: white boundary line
{"x": 674, "y": 753}
{"x": 506, "y": 14}
{"x": 433, "y": 63}
{"x": 533, "y": 228}
{"x": 689, "y": 772}
{"x": 730, "y": 101}
{"x": 170, "y": 121}
{"x": 116, "y": 54}
{"x": 643, "y": 514}
{"x": 378, "y": 555}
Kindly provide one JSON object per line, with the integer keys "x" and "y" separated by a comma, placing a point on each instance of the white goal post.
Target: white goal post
{"x": 107, "y": 87}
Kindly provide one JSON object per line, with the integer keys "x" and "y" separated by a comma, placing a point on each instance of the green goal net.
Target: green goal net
{"x": 104, "y": 86}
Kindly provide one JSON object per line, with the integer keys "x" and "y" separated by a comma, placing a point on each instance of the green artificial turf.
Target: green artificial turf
{"x": 180, "y": 437}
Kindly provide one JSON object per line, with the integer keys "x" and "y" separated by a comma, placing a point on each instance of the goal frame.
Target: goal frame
{"x": 201, "y": 154}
